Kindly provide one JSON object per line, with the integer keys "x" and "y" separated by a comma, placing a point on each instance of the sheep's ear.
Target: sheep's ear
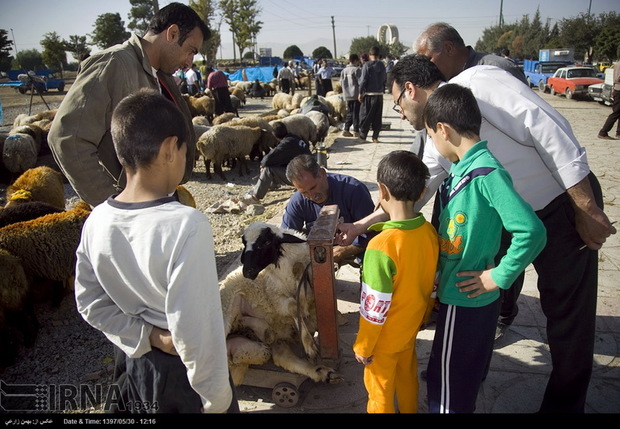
{"x": 291, "y": 238}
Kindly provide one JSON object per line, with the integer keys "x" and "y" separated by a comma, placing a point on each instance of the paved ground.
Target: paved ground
{"x": 521, "y": 361}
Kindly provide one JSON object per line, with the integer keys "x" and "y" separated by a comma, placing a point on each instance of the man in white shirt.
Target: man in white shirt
{"x": 550, "y": 171}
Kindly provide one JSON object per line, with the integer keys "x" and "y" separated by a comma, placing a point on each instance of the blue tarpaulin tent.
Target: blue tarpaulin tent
{"x": 264, "y": 74}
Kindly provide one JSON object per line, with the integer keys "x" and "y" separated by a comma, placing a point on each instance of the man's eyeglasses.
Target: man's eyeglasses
{"x": 396, "y": 106}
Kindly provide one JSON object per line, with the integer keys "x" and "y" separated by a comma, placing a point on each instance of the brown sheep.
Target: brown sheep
{"x": 38, "y": 184}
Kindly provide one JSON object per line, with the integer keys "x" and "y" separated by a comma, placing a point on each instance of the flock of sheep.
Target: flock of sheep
{"x": 39, "y": 235}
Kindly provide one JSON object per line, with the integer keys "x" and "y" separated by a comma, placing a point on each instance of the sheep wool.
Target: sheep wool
{"x": 20, "y": 153}
{"x": 274, "y": 262}
{"x": 224, "y": 142}
{"x": 38, "y": 184}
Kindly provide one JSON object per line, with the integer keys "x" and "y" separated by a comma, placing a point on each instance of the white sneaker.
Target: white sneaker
{"x": 250, "y": 199}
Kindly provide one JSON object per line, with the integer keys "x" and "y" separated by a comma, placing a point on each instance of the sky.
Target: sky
{"x": 305, "y": 24}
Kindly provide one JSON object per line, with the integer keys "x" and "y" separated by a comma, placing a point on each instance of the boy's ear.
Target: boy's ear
{"x": 444, "y": 130}
{"x": 168, "y": 148}
{"x": 422, "y": 194}
{"x": 384, "y": 192}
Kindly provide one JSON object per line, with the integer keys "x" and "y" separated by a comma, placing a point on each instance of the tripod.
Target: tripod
{"x": 34, "y": 81}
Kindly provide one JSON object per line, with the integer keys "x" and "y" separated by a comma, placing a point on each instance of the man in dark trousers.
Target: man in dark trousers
{"x": 217, "y": 82}
{"x": 372, "y": 81}
{"x": 273, "y": 165}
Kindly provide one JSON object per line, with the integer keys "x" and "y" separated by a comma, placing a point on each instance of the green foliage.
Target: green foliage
{"x": 241, "y": 16}
{"x": 29, "y": 59}
{"x": 607, "y": 43}
{"x": 54, "y": 51}
{"x": 5, "y": 51}
{"x": 141, "y": 13}
{"x": 361, "y": 45}
{"x": 591, "y": 37}
{"x": 292, "y": 52}
{"x": 206, "y": 10}
{"x": 109, "y": 30}
{"x": 78, "y": 47}
{"x": 321, "y": 52}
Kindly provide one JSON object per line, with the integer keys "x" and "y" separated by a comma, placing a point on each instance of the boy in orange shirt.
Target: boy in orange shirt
{"x": 397, "y": 284}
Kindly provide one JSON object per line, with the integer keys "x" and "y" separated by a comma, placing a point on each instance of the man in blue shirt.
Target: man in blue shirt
{"x": 317, "y": 188}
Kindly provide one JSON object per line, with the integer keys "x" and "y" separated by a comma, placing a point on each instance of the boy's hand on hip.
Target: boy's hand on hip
{"x": 479, "y": 282}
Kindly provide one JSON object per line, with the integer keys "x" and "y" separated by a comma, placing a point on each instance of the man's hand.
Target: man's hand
{"x": 345, "y": 253}
{"x": 162, "y": 340}
{"x": 591, "y": 223}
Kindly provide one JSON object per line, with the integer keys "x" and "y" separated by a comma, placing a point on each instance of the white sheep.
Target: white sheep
{"x": 223, "y": 142}
{"x": 262, "y": 296}
{"x": 300, "y": 125}
{"x": 339, "y": 106}
{"x": 281, "y": 100}
{"x": 322, "y": 124}
{"x": 268, "y": 142}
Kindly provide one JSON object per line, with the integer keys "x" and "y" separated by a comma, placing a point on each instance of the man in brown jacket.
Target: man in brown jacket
{"x": 80, "y": 137}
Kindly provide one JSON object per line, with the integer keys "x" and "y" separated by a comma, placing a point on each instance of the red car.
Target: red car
{"x": 572, "y": 81}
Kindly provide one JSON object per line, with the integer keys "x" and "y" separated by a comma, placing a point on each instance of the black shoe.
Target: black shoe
{"x": 500, "y": 330}
{"x": 605, "y": 137}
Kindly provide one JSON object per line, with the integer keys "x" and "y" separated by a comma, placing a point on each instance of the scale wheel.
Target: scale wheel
{"x": 285, "y": 395}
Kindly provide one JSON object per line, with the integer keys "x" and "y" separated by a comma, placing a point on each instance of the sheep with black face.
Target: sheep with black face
{"x": 265, "y": 315}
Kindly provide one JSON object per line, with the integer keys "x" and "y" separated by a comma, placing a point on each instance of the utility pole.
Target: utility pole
{"x": 501, "y": 14}
{"x": 334, "y": 35}
{"x": 14, "y": 44}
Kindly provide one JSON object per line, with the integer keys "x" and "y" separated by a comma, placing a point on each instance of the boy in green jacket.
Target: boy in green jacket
{"x": 477, "y": 201}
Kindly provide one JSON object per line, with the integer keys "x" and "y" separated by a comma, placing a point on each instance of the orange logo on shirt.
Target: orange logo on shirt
{"x": 454, "y": 243}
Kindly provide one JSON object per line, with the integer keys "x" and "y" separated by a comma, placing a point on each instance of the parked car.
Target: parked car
{"x": 601, "y": 92}
{"x": 572, "y": 81}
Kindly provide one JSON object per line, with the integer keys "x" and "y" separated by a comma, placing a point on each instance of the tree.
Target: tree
{"x": 206, "y": 11}
{"x": 5, "y": 51}
{"x": 109, "y": 30}
{"x": 29, "y": 59}
{"x": 607, "y": 44}
{"x": 361, "y": 45}
{"x": 240, "y": 15}
{"x": 141, "y": 13}
{"x": 54, "y": 51}
{"x": 292, "y": 52}
{"x": 78, "y": 47}
{"x": 321, "y": 52}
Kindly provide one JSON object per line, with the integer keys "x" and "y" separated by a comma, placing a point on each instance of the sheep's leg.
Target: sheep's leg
{"x": 217, "y": 167}
{"x": 208, "y": 168}
{"x": 284, "y": 357}
{"x": 243, "y": 352}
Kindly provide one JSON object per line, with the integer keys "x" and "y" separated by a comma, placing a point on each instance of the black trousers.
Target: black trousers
{"x": 568, "y": 284}
{"x": 353, "y": 116}
{"x": 371, "y": 115}
{"x": 613, "y": 116}
{"x": 156, "y": 383}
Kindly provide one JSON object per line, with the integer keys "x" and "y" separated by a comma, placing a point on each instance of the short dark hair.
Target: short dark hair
{"x": 300, "y": 164}
{"x": 404, "y": 174}
{"x": 456, "y": 106}
{"x": 182, "y": 15}
{"x": 140, "y": 123}
{"x": 353, "y": 58}
{"x": 417, "y": 69}
{"x": 374, "y": 51}
{"x": 279, "y": 129}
